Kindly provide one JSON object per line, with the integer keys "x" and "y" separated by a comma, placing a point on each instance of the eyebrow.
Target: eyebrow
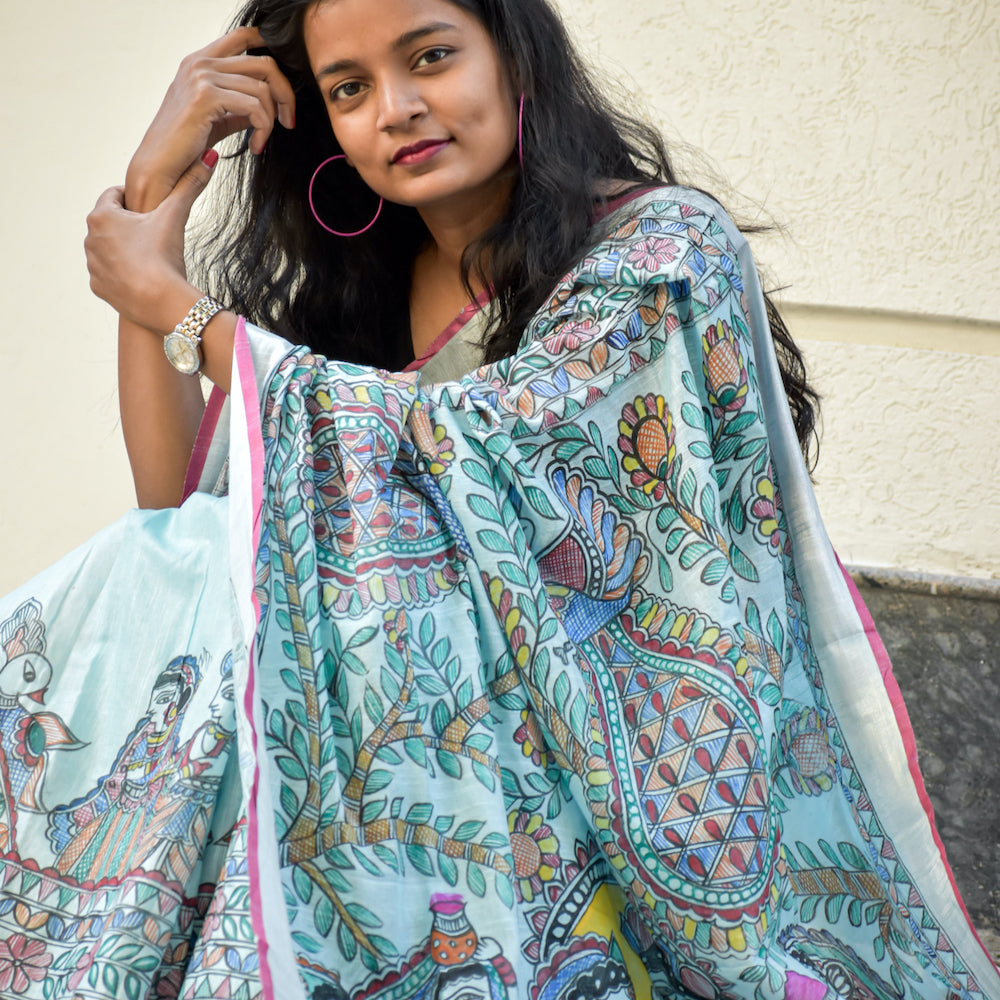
{"x": 407, "y": 38}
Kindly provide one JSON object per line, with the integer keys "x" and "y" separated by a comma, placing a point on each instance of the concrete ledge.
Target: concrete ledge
{"x": 932, "y": 584}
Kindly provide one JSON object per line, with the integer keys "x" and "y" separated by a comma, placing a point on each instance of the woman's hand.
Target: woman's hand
{"x": 218, "y": 90}
{"x": 136, "y": 260}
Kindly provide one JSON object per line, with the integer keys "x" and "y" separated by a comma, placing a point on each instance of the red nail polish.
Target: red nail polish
{"x": 210, "y": 157}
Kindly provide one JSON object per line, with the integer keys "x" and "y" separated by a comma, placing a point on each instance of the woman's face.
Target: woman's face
{"x": 418, "y": 98}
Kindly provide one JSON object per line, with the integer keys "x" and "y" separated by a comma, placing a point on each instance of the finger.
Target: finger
{"x": 191, "y": 184}
{"x": 263, "y": 68}
{"x": 234, "y": 43}
{"x": 114, "y": 196}
{"x": 254, "y": 88}
{"x": 235, "y": 104}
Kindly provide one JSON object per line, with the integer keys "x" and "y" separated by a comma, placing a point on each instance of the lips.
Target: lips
{"x": 419, "y": 151}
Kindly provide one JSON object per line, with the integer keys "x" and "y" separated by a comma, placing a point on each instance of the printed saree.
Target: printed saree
{"x": 541, "y": 683}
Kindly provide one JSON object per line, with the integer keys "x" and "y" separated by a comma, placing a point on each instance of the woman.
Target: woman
{"x": 540, "y": 652}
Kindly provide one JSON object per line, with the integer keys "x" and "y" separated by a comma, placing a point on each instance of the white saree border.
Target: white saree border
{"x": 855, "y": 667}
{"x": 246, "y": 475}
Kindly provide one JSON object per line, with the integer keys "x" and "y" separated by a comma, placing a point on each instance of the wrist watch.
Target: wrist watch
{"x": 182, "y": 344}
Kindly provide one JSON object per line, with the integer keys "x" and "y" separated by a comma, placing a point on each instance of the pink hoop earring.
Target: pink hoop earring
{"x": 520, "y": 131}
{"x": 312, "y": 206}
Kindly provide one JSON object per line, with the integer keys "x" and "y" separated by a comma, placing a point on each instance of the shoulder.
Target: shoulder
{"x": 664, "y": 234}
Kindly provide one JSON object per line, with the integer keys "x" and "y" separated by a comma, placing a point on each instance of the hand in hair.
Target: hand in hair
{"x": 219, "y": 90}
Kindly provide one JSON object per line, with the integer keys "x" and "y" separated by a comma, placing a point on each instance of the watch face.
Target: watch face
{"x": 182, "y": 353}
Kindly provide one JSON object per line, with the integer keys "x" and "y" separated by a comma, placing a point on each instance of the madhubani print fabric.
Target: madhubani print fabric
{"x": 556, "y": 691}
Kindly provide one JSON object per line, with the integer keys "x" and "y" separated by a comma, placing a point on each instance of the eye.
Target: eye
{"x": 346, "y": 90}
{"x": 431, "y": 56}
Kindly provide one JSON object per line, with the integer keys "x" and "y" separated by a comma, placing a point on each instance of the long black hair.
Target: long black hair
{"x": 268, "y": 258}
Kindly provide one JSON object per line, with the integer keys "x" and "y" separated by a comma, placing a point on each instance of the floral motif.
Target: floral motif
{"x": 806, "y": 748}
{"x": 646, "y": 438}
{"x": 531, "y": 740}
{"x": 763, "y": 512}
{"x": 570, "y": 335}
{"x": 653, "y": 252}
{"x": 22, "y": 961}
{"x": 536, "y": 852}
{"x": 432, "y": 441}
{"x": 725, "y": 373}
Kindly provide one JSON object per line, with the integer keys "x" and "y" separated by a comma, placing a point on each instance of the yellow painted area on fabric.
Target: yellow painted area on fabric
{"x": 323, "y": 398}
{"x": 376, "y": 587}
{"x": 737, "y": 939}
{"x": 361, "y": 394}
{"x": 690, "y": 928}
{"x": 602, "y": 918}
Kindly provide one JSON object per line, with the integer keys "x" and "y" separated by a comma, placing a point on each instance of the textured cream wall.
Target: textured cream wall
{"x": 868, "y": 128}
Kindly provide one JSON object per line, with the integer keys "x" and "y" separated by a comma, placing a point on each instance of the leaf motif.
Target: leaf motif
{"x": 561, "y": 692}
{"x": 430, "y": 684}
{"x": 362, "y": 636}
{"x": 832, "y": 908}
{"x": 666, "y": 574}
{"x": 302, "y": 883}
{"x": 595, "y": 467}
{"x": 366, "y": 863}
{"x": 674, "y": 538}
{"x": 372, "y": 810}
{"x": 345, "y": 939}
{"x": 390, "y": 686}
{"x": 373, "y": 705}
{"x": 450, "y": 763}
{"x": 692, "y": 552}
{"x": 807, "y": 855}
{"x": 493, "y": 541}
{"x": 692, "y": 415}
{"x": 688, "y": 489}
{"x": 715, "y": 570}
{"x": 377, "y": 780}
{"x": 505, "y": 891}
{"x": 416, "y": 750}
{"x": 539, "y": 502}
{"x": 742, "y": 565}
{"x": 484, "y": 775}
{"x": 419, "y": 858}
{"x": 483, "y": 508}
{"x": 290, "y": 767}
{"x": 476, "y": 472}
{"x": 419, "y": 813}
{"x": 476, "y": 881}
{"x": 468, "y": 829}
{"x": 853, "y": 856}
{"x": 440, "y": 717}
{"x": 449, "y": 870}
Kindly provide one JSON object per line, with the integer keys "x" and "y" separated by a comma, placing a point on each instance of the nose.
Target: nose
{"x": 399, "y": 103}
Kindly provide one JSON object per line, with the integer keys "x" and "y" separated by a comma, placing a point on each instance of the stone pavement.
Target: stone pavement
{"x": 945, "y": 652}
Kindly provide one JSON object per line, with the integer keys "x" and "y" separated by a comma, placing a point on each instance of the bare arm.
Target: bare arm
{"x": 218, "y": 91}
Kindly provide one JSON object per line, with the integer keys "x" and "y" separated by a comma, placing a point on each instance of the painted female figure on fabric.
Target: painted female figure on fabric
{"x": 111, "y": 830}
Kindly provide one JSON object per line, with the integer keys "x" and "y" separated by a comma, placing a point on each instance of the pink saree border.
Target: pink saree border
{"x": 202, "y": 443}
{"x": 907, "y": 735}
{"x": 243, "y": 361}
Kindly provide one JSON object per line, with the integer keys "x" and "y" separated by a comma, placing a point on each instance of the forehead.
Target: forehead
{"x": 360, "y": 29}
